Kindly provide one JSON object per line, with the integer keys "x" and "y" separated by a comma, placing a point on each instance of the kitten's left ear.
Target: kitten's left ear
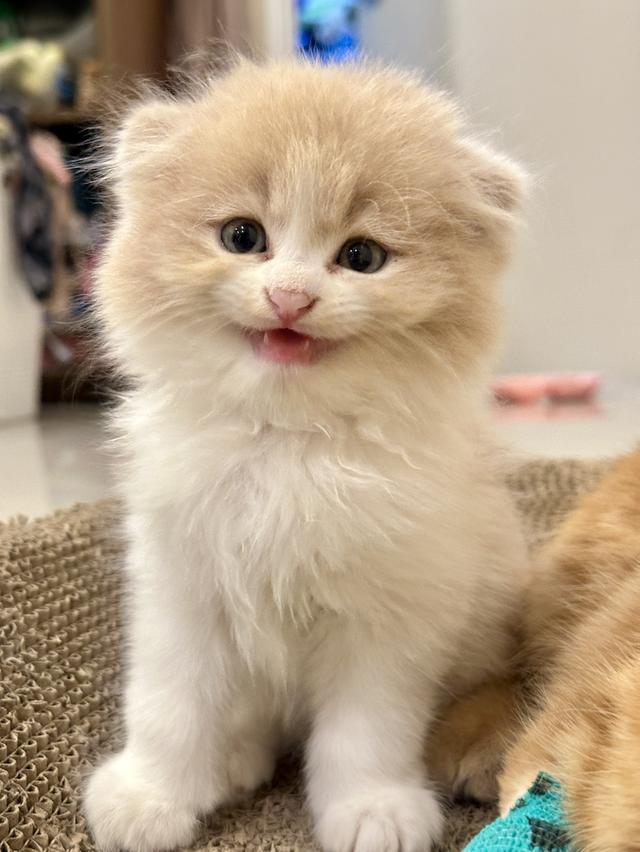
{"x": 495, "y": 189}
{"x": 502, "y": 183}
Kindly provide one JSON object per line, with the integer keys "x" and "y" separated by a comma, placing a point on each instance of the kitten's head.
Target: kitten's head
{"x": 305, "y": 229}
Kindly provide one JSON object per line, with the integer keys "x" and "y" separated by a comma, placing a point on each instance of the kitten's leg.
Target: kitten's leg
{"x": 191, "y": 740}
{"x": 600, "y": 762}
{"x": 590, "y": 741}
{"x": 531, "y": 753}
{"x": 365, "y": 771}
{"x": 468, "y": 742}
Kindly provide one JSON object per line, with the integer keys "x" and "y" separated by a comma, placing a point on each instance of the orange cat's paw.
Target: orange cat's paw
{"x": 468, "y": 743}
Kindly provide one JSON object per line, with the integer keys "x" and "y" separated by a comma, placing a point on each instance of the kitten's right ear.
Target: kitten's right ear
{"x": 147, "y": 132}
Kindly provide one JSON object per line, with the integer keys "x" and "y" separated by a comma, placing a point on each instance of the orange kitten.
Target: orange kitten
{"x": 583, "y": 633}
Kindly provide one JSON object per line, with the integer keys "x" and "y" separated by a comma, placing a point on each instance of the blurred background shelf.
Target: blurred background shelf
{"x": 62, "y": 117}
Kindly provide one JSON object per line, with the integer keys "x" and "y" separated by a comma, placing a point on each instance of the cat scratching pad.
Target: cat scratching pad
{"x": 60, "y": 676}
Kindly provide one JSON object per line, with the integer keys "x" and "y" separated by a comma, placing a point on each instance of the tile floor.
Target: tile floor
{"x": 54, "y": 461}
{"x": 61, "y": 458}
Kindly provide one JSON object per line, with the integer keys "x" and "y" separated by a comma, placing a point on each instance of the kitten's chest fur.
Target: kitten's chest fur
{"x": 281, "y": 527}
{"x": 273, "y": 501}
{"x": 294, "y": 507}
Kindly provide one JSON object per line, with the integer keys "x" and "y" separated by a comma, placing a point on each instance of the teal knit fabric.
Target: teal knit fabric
{"x": 536, "y": 823}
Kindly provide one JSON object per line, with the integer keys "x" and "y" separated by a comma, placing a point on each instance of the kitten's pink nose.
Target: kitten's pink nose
{"x": 289, "y": 305}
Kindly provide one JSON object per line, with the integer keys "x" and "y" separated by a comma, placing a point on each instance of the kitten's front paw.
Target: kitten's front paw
{"x": 127, "y": 812}
{"x": 389, "y": 819}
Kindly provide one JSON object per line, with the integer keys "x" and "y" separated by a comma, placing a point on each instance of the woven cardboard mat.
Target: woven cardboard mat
{"x": 60, "y": 676}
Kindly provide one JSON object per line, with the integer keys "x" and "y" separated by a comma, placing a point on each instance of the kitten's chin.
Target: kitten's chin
{"x": 285, "y": 346}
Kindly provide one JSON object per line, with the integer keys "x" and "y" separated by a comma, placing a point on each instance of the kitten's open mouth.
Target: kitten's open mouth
{"x": 285, "y": 346}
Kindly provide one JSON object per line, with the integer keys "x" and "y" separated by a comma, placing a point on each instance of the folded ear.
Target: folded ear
{"x": 494, "y": 190}
{"x": 501, "y": 182}
{"x": 147, "y": 132}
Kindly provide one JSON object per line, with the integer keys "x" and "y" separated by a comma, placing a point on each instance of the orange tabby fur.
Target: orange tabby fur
{"x": 582, "y": 646}
{"x": 583, "y": 632}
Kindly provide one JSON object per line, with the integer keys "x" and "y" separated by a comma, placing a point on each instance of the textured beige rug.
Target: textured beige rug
{"x": 60, "y": 645}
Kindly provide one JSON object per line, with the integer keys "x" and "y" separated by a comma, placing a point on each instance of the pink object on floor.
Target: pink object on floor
{"x": 527, "y": 389}
{"x": 519, "y": 389}
{"x": 578, "y": 387}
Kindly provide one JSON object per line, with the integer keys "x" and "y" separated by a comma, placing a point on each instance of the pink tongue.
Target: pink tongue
{"x": 285, "y": 346}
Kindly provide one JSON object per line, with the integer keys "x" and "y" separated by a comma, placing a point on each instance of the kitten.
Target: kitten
{"x": 583, "y": 631}
{"x": 301, "y": 283}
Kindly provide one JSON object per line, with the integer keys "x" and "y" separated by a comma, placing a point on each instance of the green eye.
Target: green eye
{"x": 362, "y": 256}
{"x": 243, "y": 236}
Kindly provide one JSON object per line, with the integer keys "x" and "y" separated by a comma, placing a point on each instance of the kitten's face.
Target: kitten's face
{"x": 292, "y": 220}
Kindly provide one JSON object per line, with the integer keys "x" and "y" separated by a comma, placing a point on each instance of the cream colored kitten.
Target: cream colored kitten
{"x": 301, "y": 282}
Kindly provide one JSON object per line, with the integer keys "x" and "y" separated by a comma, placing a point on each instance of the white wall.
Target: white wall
{"x": 561, "y": 79}
{"x": 411, "y": 33}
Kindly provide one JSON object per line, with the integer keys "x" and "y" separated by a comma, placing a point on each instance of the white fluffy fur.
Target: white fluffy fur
{"x": 314, "y": 551}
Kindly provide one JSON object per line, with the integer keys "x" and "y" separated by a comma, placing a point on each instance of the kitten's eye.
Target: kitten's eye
{"x": 242, "y": 236}
{"x": 362, "y": 256}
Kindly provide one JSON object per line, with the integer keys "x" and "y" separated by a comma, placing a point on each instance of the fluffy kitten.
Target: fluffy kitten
{"x": 583, "y": 630}
{"x": 301, "y": 283}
